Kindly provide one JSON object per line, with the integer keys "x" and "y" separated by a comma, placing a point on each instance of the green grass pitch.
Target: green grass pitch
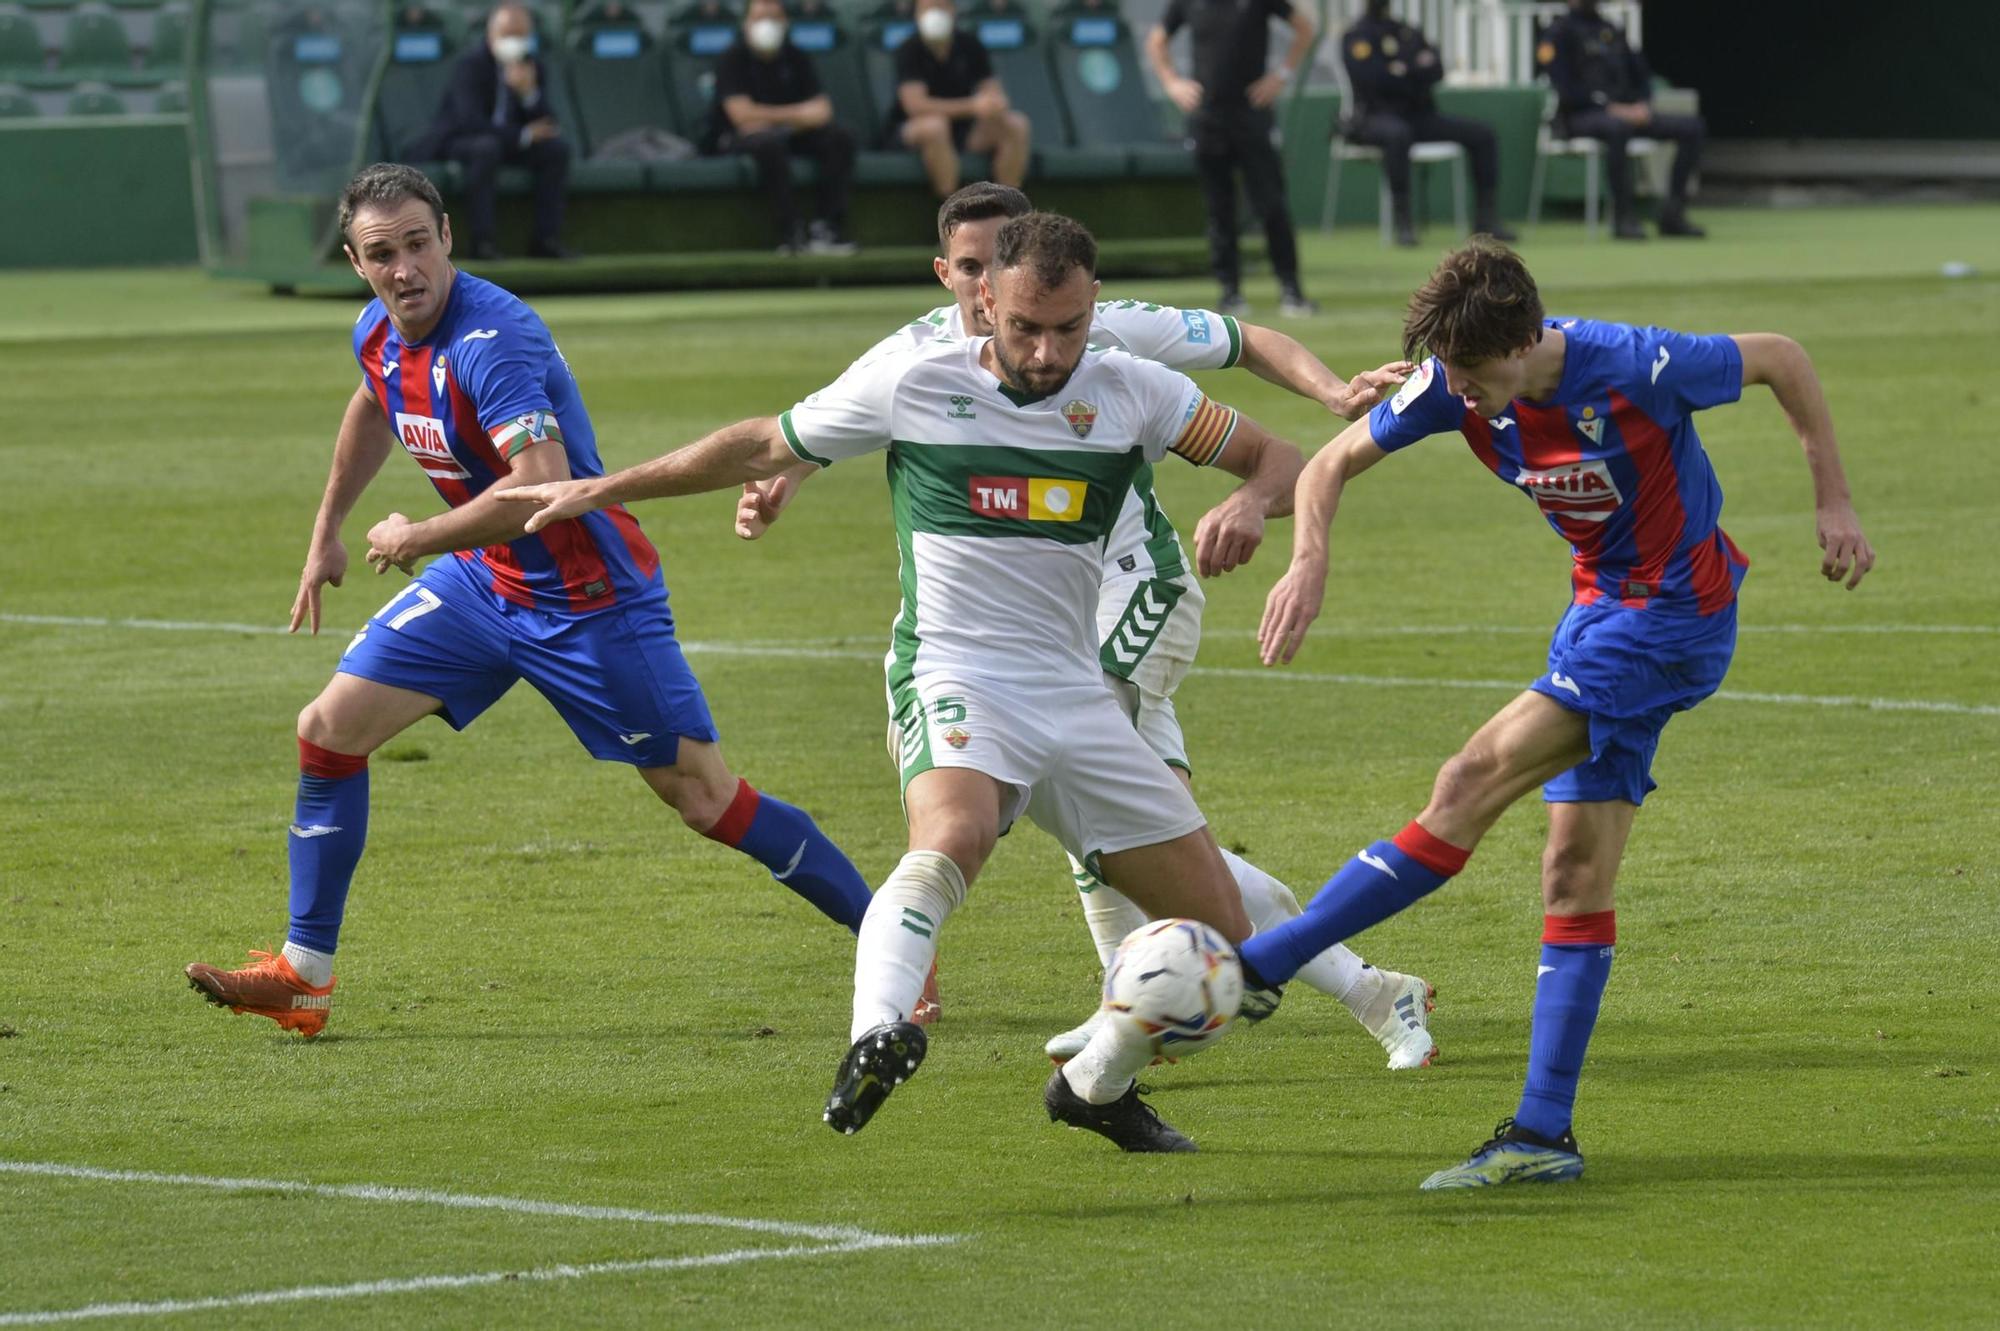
{"x": 551, "y": 991}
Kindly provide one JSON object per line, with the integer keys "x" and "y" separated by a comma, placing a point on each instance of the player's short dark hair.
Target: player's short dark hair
{"x": 977, "y": 203}
{"x": 1049, "y": 245}
{"x": 386, "y": 185}
{"x": 1480, "y": 304}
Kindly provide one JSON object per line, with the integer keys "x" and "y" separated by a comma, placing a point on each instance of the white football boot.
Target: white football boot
{"x": 1399, "y": 1016}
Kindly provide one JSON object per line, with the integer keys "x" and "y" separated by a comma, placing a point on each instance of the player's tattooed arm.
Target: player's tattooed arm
{"x": 1229, "y": 534}
{"x": 1782, "y": 365}
{"x": 397, "y": 542}
{"x": 763, "y": 501}
{"x": 1294, "y": 602}
{"x": 746, "y": 451}
{"x": 1283, "y": 360}
{"x": 359, "y": 450}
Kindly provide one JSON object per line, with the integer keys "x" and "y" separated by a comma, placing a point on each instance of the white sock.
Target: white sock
{"x": 1109, "y": 914}
{"x": 1269, "y": 903}
{"x": 898, "y": 938}
{"x": 315, "y": 968}
{"x": 1111, "y": 1061}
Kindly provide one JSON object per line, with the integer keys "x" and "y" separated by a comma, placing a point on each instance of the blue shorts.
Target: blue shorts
{"x": 1629, "y": 671}
{"x": 616, "y": 675}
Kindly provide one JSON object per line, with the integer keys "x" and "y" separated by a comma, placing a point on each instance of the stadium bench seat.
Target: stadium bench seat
{"x": 836, "y": 57}
{"x": 1097, "y": 70}
{"x": 135, "y": 4}
{"x": 167, "y": 45}
{"x": 15, "y": 105}
{"x": 22, "y": 59}
{"x": 696, "y": 38}
{"x": 46, "y": 4}
{"x": 95, "y": 48}
{"x": 95, "y": 102}
{"x": 171, "y": 100}
{"x": 619, "y": 75}
{"x": 413, "y": 80}
{"x": 315, "y": 79}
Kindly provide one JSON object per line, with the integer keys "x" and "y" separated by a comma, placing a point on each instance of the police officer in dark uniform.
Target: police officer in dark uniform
{"x": 1228, "y": 105}
{"x": 1392, "y": 68}
{"x": 1604, "y": 91}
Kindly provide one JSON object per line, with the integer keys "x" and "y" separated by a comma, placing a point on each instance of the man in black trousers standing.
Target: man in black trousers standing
{"x": 497, "y": 113}
{"x": 1228, "y": 105}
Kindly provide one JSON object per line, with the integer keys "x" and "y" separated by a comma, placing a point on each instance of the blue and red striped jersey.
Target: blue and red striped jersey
{"x": 486, "y": 383}
{"x": 1612, "y": 459}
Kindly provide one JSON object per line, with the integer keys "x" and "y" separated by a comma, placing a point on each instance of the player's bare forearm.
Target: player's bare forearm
{"x": 359, "y": 451}
{"x": 1283, "y": 360}
{"x": 484, "y": 520}
{"x": 1268, "y": 465}
{"x": 1782, "y": 365}
{"x": 746, "y": 451}
{"x": 1320, "y": 486}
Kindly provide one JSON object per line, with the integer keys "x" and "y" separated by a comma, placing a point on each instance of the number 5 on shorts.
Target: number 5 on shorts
{"x": 427, "y": 601}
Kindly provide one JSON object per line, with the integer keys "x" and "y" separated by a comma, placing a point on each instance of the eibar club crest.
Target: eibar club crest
{"x": 1591, "y": 426}
{"x": 438, "y": 369}
{"x": 1081, "y": 416}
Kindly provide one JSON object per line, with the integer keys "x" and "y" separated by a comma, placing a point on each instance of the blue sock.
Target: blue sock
{"x": 1576, "y": 963}
{"x": 1371, "y": 887}
{"x": 786, "y": 840}
{"x": 329, "y": 829}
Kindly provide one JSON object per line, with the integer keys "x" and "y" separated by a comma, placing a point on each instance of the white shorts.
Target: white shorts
{"x": 1153, "y": 716}
{"x": 1149, "y": 630}
{"x": 1067, "y": 752}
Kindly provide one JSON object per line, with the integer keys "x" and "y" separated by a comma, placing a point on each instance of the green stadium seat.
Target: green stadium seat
{"x": 95, "y": 47}
{"x": 1097, "y": 71}
{"x": 413, "y": 81}
{"x": 619, "y": 75}
{"x": 1021, "y": 63}
{"x": 167, "y": 51}
{"x": 46, "y": 4}
{"x": 836, "y": 57}
{"x": 696, "y": 38}
{"x": 881, "y": 36}
{"x": 170, "y": 101}
{"x": 95, "y": 102}
{"x": 315, "y": 78}
{"x": 15, "y": 105}
{"x": 135, "y": 4}
{"x": 733, "y": 171}
{"x": 22, "y": 59}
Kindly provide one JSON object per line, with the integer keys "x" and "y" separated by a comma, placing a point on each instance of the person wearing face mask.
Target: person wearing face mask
{"x": 496, "y": 112}
{"x": 1604, "y": 91}
{"x": 1393, "y": 67}
{"x": 769, "y": 104}
{"x": 949, "y": 101}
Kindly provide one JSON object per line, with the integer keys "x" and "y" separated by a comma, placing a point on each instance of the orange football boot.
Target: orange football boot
{"x": 928, "y": 1009}
{"x": 269, "y": 988}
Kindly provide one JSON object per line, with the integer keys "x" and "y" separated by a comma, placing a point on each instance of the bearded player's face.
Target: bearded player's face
{"x": 404, "y": 254}
{"x": 1039, "y": 331}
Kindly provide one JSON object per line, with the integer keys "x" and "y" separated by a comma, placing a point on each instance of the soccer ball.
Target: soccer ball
{"x": 1179, "y": 980}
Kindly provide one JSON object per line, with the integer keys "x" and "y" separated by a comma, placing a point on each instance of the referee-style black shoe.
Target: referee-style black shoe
{"x": 1128, "y": 1122}
{"x": 879, "y": 1062}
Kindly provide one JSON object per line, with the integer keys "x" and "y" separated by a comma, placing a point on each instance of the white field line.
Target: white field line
{"x": 423, "y": 1284}
{"x": 807, "y": 650}
{"x": 828, "y": 1240}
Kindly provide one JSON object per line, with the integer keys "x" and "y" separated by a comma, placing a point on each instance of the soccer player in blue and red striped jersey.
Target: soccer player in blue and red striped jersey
{"x": 1594, "y": 423}
{"x": 467, "y": 379}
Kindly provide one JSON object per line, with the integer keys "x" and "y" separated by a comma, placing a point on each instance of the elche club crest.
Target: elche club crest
{"x": 1081, "y": 416}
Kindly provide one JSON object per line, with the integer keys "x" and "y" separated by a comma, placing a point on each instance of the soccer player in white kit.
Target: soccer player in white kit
{"x": 1009, "y": 458}
{"x": 1149, "y": 607}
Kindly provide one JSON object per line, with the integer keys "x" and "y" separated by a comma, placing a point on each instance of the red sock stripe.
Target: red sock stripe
{"x": 1438, "y": 856}
{"x": 315, "y": 761}
{"x": 1600, "y": 928}
{"x": 735, "y": 819}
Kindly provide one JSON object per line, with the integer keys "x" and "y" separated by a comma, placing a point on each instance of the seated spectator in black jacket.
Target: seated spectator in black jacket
{"x": 1604, "y": 90}
{"x": 1392, "y": 68}
{"x": 769, "y": 104}
{"x": 948, "y": 101}
{"x": 497, "y": 112}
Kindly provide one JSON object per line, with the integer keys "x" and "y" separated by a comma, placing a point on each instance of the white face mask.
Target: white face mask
{"x": 936, "y": 24}
{"x": 766, "y": 34}
{"x": 510, "y": 50}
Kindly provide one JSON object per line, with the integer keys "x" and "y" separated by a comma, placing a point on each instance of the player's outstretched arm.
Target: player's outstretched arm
{"x": 1294, "y": 601}
{"x": 1779, "y": 363}
{"x": 1230, "y": 533}
{"x": 746, "y": 451}
{"x": 763, "y": 501}
{"x": 1283, "y": 360}
{"x": 359, "y": 451}
{"x": 397, "y": 542}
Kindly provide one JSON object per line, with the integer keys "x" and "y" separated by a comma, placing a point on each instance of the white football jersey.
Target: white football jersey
{"x": 1143, "y": 542}
{"x": 1003, "y": 504}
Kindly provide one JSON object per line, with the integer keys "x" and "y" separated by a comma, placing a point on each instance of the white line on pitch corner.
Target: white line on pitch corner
{"x": 376, "y": 1192}
{"x": 806, "y": 650}
{"x": 424, "y": 1284}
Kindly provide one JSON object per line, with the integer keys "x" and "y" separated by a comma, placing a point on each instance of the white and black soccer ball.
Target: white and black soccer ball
{"x": 1179, "y": 980}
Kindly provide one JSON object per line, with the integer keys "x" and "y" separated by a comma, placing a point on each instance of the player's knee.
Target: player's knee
{"x": 320, "y": 725}
{"x": 1466, "y": 780}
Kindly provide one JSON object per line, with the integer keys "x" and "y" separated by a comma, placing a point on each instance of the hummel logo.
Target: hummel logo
{"x": 307, "y": 833}
{"x": 1540, "y": 971}
{"x": 797, "y": 855}
{"x": 1377, "y": 862}
{"x": 635, "y": 737}
{"x": 480, "y": 335}
{"x": 1660, "y": 364}
{"x": 1562, "y": 681}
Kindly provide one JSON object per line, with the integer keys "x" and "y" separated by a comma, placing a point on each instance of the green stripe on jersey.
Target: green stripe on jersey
{"x": 1235, "y": 342}
{"x": 935, "y": 487}
{"x": 792, "y": 441}
{"x": 1163, "y": 544}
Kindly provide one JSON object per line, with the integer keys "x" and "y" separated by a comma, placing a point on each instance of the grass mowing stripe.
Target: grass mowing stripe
{"x": 787, "y": 650}
{"x": 425, "y": 1284}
